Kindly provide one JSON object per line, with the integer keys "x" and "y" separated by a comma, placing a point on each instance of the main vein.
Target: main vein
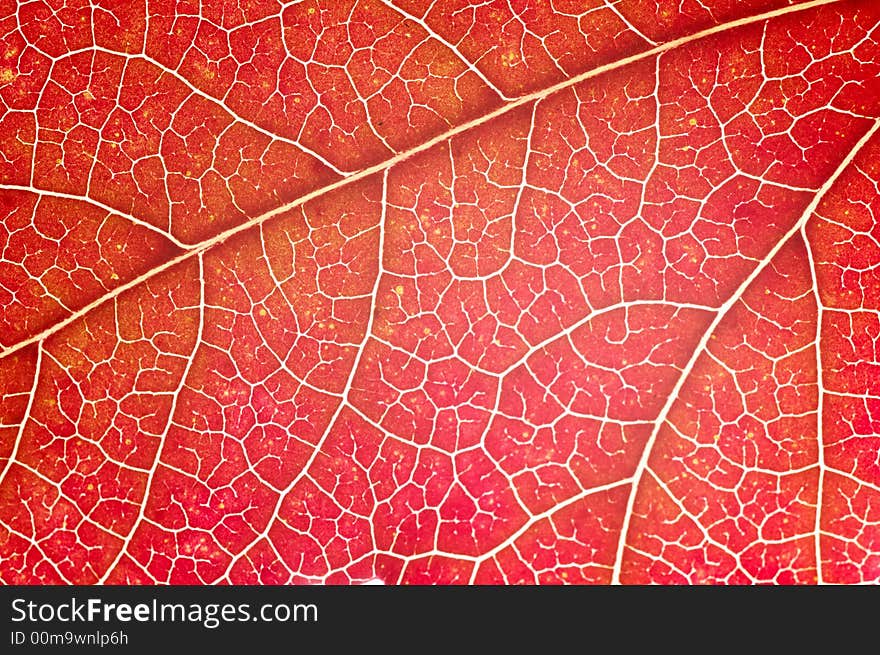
{"x": 197, "y": 249}
{"x": 722, "y": 311}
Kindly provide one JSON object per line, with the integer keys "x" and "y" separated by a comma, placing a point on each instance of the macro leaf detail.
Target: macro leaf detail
{"x": 448, "y": 292}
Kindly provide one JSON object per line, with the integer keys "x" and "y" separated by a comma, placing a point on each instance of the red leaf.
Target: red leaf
{"x": 440, "y": 292}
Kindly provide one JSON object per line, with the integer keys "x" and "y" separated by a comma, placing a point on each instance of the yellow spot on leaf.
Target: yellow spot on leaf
{"x": 509, "y": 58}
{"x": 692, "y": 121}
{"x": 398, "y": 289}
{"x": 6, "y": 76}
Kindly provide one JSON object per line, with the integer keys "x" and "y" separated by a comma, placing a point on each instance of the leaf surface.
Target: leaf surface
{"x": 441, "y": 292}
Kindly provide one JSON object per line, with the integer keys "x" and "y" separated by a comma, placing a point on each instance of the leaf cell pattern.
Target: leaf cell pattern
{"x": 439, "y": 292}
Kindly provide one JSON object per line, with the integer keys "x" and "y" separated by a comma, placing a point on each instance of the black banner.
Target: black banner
{"x": 410, "y": 619}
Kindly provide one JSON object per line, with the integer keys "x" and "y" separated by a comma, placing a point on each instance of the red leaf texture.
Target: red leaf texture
{"x": 440, "y": 292}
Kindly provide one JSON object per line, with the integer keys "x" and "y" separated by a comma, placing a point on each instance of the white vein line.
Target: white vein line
{"x": 852, "y": 477}
{"x": 698, "y": 524}
{"x": 84, "y": 517}
{"x": 36, "y": 544}
{"x": 471, "y": 66}
{"x": 26, "y": 417}
{"x": 820, "y": 445}
{"x": 151, "y": 475}
{"x": 98, "y": 204}
{"x": 704, "y": 340}
{"x": 534, "y": 519}
{"x": 613, "y": 7}
{"x": 427, "y": 145}
{"x": 343, "y": 403}
{"x": 204, "y": 95}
